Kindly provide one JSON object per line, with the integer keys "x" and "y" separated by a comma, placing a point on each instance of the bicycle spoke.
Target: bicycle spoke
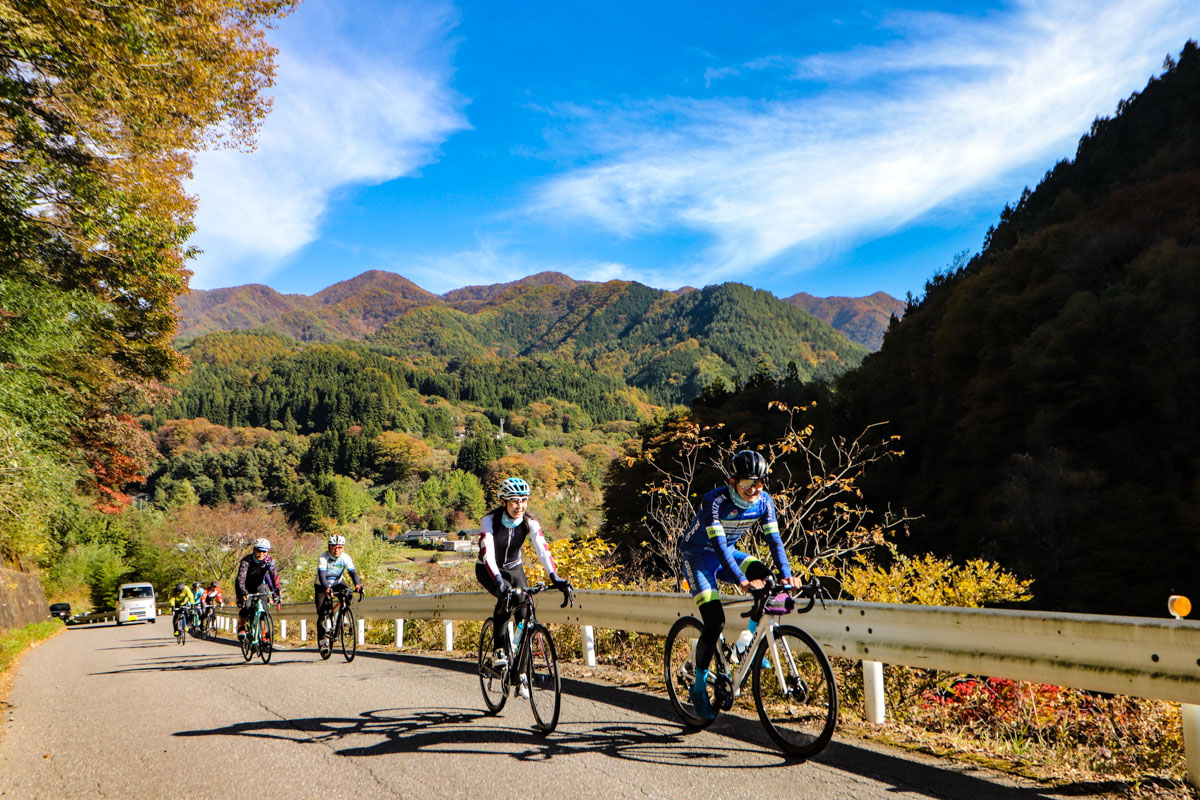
{"x": 795, "y": 692}
{"x": 541, "y": 673}
{"x": 491, "y": 677}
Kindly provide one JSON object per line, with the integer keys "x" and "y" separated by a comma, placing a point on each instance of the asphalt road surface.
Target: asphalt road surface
{"x": 123, "y": 712}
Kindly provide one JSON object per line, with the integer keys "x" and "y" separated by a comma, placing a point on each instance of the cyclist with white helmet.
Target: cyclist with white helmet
{"x": 331, "y": 565}
{"x": 500, "y": 567}
{"x": 726, "y": 514}
{"x": 256, "y": 573}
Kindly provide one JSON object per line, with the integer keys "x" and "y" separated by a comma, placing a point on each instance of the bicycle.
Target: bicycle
{"x": 260, "y": 630}
{"x": 208, "y": 620}
{"x": 343, "y": 625}
{"x": 794, "y": 688}
{"x": 535, "y": 664}
{"x": 179, "y": 623}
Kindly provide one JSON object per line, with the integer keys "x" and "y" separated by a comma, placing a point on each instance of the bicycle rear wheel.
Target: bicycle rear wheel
{"x": 541, "y": 671}
{"x": 266, "y": 637}
{"x": 491, "y": 677}
{"x": 679, "y": 670}
{"x": 348, "y": 632}
{"x": 181, "y": 628}
{"x": 795, "y": 692}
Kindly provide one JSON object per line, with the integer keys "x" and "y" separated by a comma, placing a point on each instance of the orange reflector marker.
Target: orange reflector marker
{"x": 1179, "y": 606}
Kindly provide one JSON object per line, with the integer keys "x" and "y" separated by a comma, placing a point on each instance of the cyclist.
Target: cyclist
{"x": 331, "y": 565}
{"x": 181, "y": 599}
{"x": 500, "y": 568}
{"x": 211, "y": 597}
{"x": 256, "y": 573}
{"x": 726, "y": 514}
{"x": 197, "y": 602}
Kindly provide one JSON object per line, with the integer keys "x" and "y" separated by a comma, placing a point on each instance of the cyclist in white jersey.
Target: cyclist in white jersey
{"x": 331, "y": 565}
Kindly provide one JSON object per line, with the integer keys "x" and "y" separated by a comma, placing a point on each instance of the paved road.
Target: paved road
{"x": 123, "y": 712}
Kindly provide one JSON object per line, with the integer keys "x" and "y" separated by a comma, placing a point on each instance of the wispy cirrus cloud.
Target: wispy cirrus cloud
{"x": 896, "y": 131}
{"x": 350, "y": 108}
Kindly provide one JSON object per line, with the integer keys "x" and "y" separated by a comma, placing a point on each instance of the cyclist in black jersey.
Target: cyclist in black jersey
{"x": 500, "y": 568}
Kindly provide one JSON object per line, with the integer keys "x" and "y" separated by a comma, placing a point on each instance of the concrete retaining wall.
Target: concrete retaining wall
{"x": 22, "y": 600}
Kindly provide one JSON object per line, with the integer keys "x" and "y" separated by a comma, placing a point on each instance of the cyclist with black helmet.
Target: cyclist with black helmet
{"x": 331, "y": 565}
{"x": 180, "y": 599}
{"x": 256, "y": 573}
{"x": 500, "y": 567}
{"x": 726, "y": 514}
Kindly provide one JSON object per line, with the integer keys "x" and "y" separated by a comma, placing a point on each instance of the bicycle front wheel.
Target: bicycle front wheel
{"x": 795, "y": 692}
{"x": 246, "y": 641}
{"x": 679, "y": 670}
{"x": 266, "y": 637}
{"x": 181, "y": 627}
{"x": 491, "y": 677}
{"x": 541, "y": 672}
{"x": 348, "y": 632}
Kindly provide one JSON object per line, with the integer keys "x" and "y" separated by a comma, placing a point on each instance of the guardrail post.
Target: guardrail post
{"x": 282, "y": 630}
{"x": 448, "y": 625}
{"x": 589, "y": 645}
{"x": 304, "y": 630}
{"x": 876, "y": 712}
{"x": 362, "y": 631}
{"x": 1191, "y": 741}
{"x": 399, "y": 634}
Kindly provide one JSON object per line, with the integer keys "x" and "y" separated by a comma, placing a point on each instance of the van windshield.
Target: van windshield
{"x": 136, "y": 591}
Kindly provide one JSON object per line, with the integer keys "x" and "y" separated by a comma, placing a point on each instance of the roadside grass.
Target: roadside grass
{"x": 15, "y": 641}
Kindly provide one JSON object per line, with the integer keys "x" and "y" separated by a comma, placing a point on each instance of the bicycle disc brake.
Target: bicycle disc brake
{"x": 723, "y": 692}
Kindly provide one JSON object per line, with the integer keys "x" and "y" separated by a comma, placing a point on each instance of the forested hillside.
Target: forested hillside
{"x": 1046, "y": 391}
{"x": 861, "y": 319}
{"x": 670, "y": 345}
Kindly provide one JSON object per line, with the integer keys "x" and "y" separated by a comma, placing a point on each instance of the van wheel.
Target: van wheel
{"x": 119, "y": 623}
{"x": 153, "y": 620}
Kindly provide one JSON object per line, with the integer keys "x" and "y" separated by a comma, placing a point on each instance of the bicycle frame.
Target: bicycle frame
{"x": 764, "y": 631}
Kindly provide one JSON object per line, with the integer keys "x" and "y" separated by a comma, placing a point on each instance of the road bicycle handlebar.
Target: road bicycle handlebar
{"x": 342, "y": 590}
{"x": 568, "y": 595}
{"x": 813, "y": 591}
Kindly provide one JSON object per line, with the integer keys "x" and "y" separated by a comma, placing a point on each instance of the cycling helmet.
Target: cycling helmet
{"x": 195, "y": 584}
{"x": 179, "y": 587}
{"x": 212, "y": 585}
{"x": 336, "y": 540}
{"x": 513, "y": 487}
{"x": 262, "y": 544}
{"x": 749, "y": 464}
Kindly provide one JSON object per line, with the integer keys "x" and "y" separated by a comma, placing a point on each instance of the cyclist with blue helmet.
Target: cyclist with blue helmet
{"x": 500, "y": 567}
{"x": 726, "y": 514}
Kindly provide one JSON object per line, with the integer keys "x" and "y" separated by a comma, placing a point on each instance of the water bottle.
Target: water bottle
{"x": 743, "y": 644}
{"x": 517, "y": 636}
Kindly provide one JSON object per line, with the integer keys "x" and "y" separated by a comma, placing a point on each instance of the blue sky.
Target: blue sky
{"x": 835, "y": 148}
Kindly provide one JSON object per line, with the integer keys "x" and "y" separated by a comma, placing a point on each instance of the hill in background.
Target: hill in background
{"x": 670, "y": 344}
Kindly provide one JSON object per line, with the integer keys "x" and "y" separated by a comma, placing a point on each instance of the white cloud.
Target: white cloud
{"x": 349, "y": 108}
{"x": 950, "y": 109}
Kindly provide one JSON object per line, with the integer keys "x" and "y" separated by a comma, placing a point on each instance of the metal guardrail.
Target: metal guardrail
{"x": 1134, "y": 656}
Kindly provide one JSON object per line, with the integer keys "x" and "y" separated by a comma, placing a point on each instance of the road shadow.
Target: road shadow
{"x": 472, "y": 732}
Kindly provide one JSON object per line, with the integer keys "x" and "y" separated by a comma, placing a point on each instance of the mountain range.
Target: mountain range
{"x": 670, "y": 343}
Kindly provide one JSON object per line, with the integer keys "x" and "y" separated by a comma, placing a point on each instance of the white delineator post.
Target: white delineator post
{"x": 873, "y": 690}
{"x": 304, "y": 630}
{"x": 283, "y": 630}
{"x": 448, "y": 626}
{"x": 399, "y": 634}
{"x": 1191, "y": 741}
{"x": 589, "y": 645}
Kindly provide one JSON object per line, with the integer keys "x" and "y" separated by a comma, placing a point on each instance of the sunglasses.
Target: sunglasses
{"x": 749, "y": 483}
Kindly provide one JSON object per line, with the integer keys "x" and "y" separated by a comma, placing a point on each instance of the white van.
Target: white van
{"x": 135, "y": 601}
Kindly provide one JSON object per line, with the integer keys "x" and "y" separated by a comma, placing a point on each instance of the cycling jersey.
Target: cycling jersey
{"x": 183, "y": 598}
{"x": 253, "y": 574}
{"x": 213, "y": 596}
{"x": 721, "y": 522}
{"x": 330, "y": 569}
{"x": 197, "y": 596}
{"x": 500, "y": 546}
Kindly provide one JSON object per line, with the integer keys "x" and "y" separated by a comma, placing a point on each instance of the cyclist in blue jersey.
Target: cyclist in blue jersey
{"x": 726, "y": 514}
{"x": 331, "y": 565}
